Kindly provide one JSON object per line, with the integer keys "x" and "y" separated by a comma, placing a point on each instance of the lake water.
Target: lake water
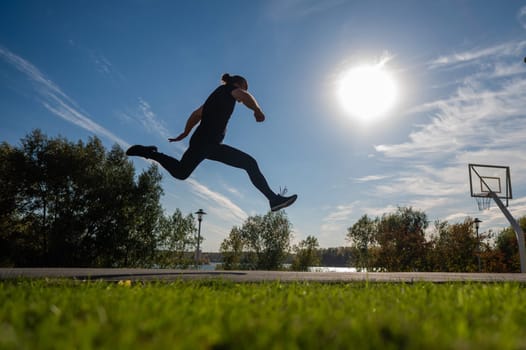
{"x": 212, "y": 267}
{"x": 331, "y": 269}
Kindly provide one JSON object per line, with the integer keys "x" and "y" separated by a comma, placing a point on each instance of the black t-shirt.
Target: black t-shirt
{"x": 217, "y": 110}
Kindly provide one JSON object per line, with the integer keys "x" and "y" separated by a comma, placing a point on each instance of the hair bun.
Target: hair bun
{"x": 226, "y": 78}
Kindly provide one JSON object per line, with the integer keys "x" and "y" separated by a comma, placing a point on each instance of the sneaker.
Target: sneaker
{"x": 141, "y": 151}
{"x": 281, "y": 201}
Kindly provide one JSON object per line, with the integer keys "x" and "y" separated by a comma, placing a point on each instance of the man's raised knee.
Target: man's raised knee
{"x": 180, "y": 175}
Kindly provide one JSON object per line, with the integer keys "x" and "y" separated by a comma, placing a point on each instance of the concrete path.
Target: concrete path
{"x": 254, "y": 276}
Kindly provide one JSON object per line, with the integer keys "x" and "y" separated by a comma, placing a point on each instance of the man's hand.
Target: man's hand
{"x": 178, "y": 138}
{"x": 258, "y": 114}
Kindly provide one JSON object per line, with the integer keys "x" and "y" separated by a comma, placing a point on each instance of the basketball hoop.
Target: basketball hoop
{"x": 484, "y": 203}
{"x": 489, "y": 182}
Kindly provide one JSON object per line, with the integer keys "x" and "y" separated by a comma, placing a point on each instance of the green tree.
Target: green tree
{"x": 177, "y": 241}
{"x": 10, "y": 188}
{"x": 307, "y": 254}
{"x": 269, "y": 237}
{"x": 401, "y": 240}
{"x": 265, "y": 242}
{"x": 74, "y": 204}
{"x": 232, "y": 251}
{"x": 508, "y": 247}
{"x": 142, "y": 242}
{"x": 362, "y": 236}
{"x": 338, "y": 256}
{"x": 455, "y": 247}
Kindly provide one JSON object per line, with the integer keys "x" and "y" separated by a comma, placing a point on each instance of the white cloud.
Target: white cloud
{"x": 341, "y": 213}
{"x": 379, "y": 211}
{"x": 455, "y": 217}
{"x": 70, "y": 114}
{"x": 429, "y": 203}
{"x": 512, "y": 48}
{"x": 144, "y": 115}
{"x": 55, "y": 100}
{"x": 522, "y": 17}
{"x": 370, "y": 178}
{"x": 417, "y": 184}
{"x": 220, "y": 205}
{"x": 284, "y": 9}
{"x": 150, "y": 121}
{"x": 506, "y": 70}
{"x": 101, "y": 62}
{"x": 337, "y": 221}
{"x": 32, "y": 72}
{"x": 476, "y": 117}
{"x": 233, "y": 190}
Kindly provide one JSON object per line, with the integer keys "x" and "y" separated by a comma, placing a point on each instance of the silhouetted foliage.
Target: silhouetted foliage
{"x": 262, "y": 243}
{"x": 362, "y": 236}
{"x": 177, "y": 237}
{"x": 307, "y": 254}
{"x": 401, "y": 240}
{"x": 507, "y": 245}
{"x": 398, "y": 242}
{"x": 75, "y": 204}
{"x": 393, "y": 242}
{"x": 233, "y": 257}
{"x": 337, "y": 256}
{"x": 455, "y": 247}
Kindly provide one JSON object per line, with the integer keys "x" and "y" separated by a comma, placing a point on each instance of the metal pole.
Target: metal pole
{"x": 200, "y": 214}
{"x": 198, "y": 240}
{"x": 477, "y": 222}
{"x": 516, "y": 227}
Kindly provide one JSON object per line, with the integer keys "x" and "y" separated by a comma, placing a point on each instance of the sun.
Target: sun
{"x": 367, "y": 92}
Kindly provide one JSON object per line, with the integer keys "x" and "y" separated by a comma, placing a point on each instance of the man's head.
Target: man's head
{"x": 236, "y": 80}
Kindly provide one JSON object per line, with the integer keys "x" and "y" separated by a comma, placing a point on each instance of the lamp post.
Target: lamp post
{"x": 200, "y": 214}
{"x": 477, "y": 222}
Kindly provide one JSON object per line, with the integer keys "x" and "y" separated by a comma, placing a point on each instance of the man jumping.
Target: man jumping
{"x": 206, "y": 141}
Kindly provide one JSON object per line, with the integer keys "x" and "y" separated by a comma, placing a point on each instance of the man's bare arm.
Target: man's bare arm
{"x": 248, "y": 100}
{"x": 192, "y": 121}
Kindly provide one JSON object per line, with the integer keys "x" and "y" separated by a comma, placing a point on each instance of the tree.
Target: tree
{"x": 456, "y": 247}
{"x": 362, "y": 236}
{"x": 508, "y": 247}
{"x": 10, "y": 187}
{"x": 307, "y": 254}
{"x": 75, "y": 204}
{"x": 265, "y": 242}
{"x": 401, "y": 240}
{"x": 339, "y": 256}
{"x": 232, "y": 251}
{"x": 269, "y": 237}
{"x": 176, "y": 238}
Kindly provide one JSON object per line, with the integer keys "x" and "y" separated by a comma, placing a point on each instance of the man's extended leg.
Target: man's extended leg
{"x": 239, "y": 159}
{"x": 178, "y": 169}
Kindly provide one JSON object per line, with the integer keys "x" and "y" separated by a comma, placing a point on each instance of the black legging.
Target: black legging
{"x": 197, "y": 152}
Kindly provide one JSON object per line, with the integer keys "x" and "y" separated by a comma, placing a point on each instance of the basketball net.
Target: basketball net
{"x": 484, "y": 203}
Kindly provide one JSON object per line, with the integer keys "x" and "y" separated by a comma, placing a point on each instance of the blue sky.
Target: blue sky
{"x": 132, "y": 72}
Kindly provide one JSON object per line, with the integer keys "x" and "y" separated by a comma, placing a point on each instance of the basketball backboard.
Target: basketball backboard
{"x": 484, "y": 179}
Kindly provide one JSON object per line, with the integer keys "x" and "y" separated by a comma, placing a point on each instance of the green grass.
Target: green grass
{"x": 51, "y": 314}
